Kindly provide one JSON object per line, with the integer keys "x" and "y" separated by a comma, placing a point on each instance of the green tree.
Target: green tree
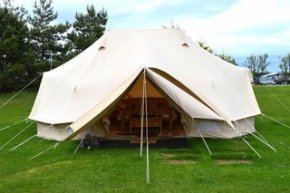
{"x": 20, "y": 12}
{"x": 204, "y": 45}
{"x": 252, "y": 64}
{"x": 87, "y": 28}
{"x": 48, "y": 40}
{"x": 223, "y": 56}
{"x": 263, "y": 63}
{"x": 41, "y": 31}
{"x": 285, "y": 68}
{"x": 257, "y": 64}
{"x": 227, "y": 58}
{"x": 15, "y": 52}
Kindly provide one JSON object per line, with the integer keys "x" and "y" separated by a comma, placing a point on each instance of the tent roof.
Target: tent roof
{"x": 78, "y": 86}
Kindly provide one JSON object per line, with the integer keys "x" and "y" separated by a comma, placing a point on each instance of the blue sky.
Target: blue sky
{"x": 239, "y": 28}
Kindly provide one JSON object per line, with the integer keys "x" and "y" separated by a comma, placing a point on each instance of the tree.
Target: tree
{"x": 48, "y": 40}
{"x": 62, "y": 46}
{"x": 285, "y": 68}
{"x": 41, "y": 31}
{"x": 257, "y": 64}
{"x": 252, "y": 64}
{"x": 223, "y": 56}
{"x": 227, "y": 58}
{"x": 263, "y": 64}
{"x": 204, "y": 45}
{"x": 20, "y": 12}
{"x": 15, "y": 52}
{"x": 87, "y": 28}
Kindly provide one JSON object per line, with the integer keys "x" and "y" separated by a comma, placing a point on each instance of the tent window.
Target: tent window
{"x": 102, "y": 47}
{"x": 208, "y": 127}
{"x": 185, "y": 45}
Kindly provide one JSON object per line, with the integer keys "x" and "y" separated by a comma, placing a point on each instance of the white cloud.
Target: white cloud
{"x": 245, "y": 27}
{"x": 233, "y": 29}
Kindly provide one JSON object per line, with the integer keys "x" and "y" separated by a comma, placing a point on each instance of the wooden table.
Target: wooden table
{"x": 155, "y": 122}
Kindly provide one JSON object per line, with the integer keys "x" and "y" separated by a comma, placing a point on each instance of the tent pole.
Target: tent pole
{"x": 142, "y": 115}
{"x": 147, "y": 137}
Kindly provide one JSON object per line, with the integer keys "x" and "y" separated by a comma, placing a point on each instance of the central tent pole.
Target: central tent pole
{"x": 142, "y": 114}
{"x": 144, "y": 108}
{"x": 147, "y": 137}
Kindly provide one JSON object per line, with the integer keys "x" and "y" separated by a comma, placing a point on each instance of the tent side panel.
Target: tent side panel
{"x": 52, "y": 132}
{"x": 59, "y": 132}
{"x": 217, "y": 129}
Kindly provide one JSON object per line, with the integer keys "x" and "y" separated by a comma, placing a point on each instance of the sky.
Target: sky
{"x": 235, "y": 27}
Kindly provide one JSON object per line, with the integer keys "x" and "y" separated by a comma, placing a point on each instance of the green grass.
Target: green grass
{"x": 122, "y": 170}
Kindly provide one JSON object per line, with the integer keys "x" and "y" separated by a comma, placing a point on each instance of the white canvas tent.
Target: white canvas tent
{"x": 214, "y": 97}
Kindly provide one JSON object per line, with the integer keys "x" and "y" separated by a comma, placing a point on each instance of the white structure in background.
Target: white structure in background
{"x": 271, "y": 78}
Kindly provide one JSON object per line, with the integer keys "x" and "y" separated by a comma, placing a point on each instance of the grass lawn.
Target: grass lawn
{"x": 185, "y": 170}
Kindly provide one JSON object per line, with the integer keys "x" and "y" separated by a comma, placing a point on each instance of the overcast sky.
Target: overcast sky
{"x": 238, "y": 28}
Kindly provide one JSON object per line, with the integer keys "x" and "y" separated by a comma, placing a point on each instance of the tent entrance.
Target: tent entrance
{"x": 163, "y": 120}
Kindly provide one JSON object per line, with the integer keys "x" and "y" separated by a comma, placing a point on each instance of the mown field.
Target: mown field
{"x": 233, "y": 167}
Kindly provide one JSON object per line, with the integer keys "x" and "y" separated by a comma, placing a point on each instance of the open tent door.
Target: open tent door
{"x": 164, "y": 120}
{"x": 169, "y": 110}
{"x": 122, "y": 118}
